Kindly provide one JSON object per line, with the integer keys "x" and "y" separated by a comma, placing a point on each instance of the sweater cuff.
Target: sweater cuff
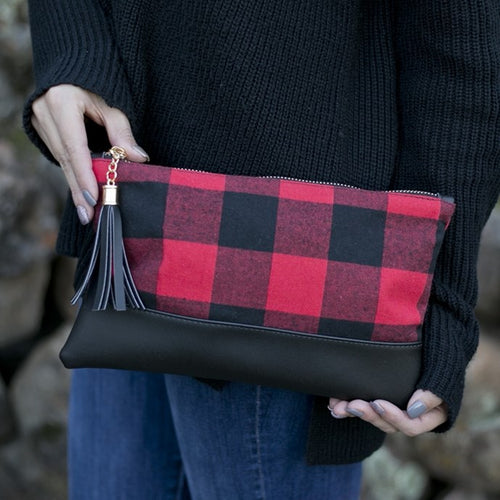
{"x": 73, "y": 44}
{"x": 445, "y": 358}
{"x": 96, "y": 136}
{"x": 352, "y": 439}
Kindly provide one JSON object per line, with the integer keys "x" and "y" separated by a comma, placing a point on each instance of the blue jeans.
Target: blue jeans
{"x": 143, "y": 436}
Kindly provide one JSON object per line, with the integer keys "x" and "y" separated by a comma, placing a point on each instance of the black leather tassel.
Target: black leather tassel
{"x": 114, "y": 279}
{"x": 110, "y": 277}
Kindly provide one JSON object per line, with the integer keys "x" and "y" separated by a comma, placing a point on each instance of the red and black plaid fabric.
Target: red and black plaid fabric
{"x": 285, "y": 254}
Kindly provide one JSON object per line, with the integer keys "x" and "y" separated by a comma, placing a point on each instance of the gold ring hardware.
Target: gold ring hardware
{"x": 117, "y": 153}
{"x": 110, "y": 190}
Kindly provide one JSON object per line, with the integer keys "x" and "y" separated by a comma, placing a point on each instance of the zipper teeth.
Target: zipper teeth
{"x": 337, "y": 184}
{"x": 325, "y": 183}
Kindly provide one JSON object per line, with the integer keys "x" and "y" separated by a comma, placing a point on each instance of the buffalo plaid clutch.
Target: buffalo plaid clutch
{"x": 313, "y": 287}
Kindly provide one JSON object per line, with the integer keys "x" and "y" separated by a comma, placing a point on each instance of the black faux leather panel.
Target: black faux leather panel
{"x": 313, "y": 364}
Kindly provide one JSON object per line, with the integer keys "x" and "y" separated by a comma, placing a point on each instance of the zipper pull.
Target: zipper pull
{"x": 115, "y": 285}
{"x": 110, "y": 189}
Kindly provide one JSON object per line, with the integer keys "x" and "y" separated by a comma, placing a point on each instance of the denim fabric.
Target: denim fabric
{"x": 121, "y": 444}
{"x": 139, "y": 436}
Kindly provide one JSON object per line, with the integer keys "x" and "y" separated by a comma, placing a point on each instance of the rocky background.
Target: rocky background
{"x": 35, "y": 287}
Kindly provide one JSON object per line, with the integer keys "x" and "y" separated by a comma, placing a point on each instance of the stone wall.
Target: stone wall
{"x": 35, "y": 287}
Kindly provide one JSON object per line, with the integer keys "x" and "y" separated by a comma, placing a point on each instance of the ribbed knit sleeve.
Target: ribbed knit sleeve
{"x": 448, "y": 56}
{"x": 73, "y": 43}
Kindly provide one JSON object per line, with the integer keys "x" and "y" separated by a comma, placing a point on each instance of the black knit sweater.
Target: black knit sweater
{"x": 375, "y": 93}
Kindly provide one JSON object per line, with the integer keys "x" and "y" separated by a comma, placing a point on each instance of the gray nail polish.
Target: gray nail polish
{"x": 334, "y": 415}
{"x": 416, "y": 409}
{"x": 89, "y": 198}
{"x": 82, "y": 215}
{"x": 354, "y": 412}
{"x": 378, "y": 408}
{"x": 141, "y": 151}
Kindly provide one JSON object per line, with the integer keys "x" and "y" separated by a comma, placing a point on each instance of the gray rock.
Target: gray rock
{"x": 16, "y": 57}
{"x": 462, "y": 494}
{"x": 10, "y": 488}
{"x": 12, "y": 11}
{"x": 39, "y": 390}
{"x": 62, "y": 277}
{"x": 488, "y": 307}
{"x": 468, "y": 456}
{"x": 6, "y": 415}
{"x": 29, "y": 218}
{"x": 8, "y": 100}
{"x": 385, "y": 477}
{"x": 33, "y": 462}
{"x": 15, "y": 62}
{"x": 29, "y": 214}
{"x": 21, "y": 303}
{"x": 34, "y": 467}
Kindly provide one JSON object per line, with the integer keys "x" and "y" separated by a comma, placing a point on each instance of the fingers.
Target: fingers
{"x": 360, "y": 409}
{"x": 59, "y": 118}
{"x": 425, "y": 412}
{"x": 117, "y": 127}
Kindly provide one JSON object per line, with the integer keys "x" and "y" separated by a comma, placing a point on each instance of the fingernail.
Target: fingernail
{"x": 82, "y": 214}
{"x": 333, "y": 414}
{"x": 141, "y": 151}
{"x": 89, "y": 198}
{"x": 354, "y": 412}
{"x": 416, "y": 409}
{"x": 378, "y": 408}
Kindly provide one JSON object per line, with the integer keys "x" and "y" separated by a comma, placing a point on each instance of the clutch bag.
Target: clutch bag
{"x": 313, "y": 287}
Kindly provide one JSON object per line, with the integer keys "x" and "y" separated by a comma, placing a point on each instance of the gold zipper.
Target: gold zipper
{"x": 120, "y": 153}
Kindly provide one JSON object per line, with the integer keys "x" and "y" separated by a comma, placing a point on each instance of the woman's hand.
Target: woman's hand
{"x": 59, "y": 118}
{"x": 425, "y": 411}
